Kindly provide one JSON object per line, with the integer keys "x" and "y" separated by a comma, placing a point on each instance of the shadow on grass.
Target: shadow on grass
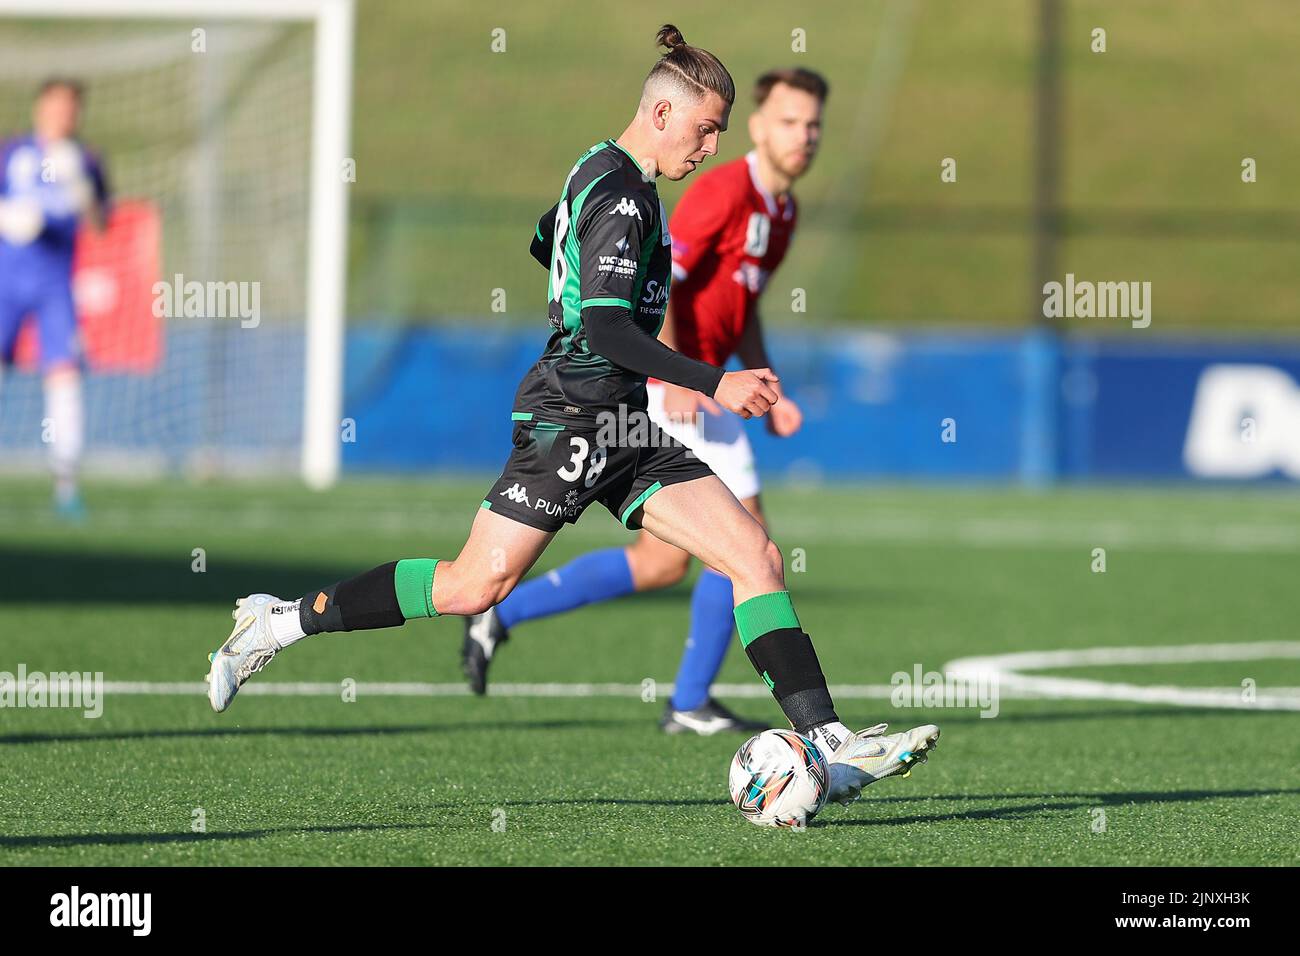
{"x": 1039, "y": 803}
{"x": 1049, "y": 803}
{"x": 85, "y": 576}
{"x": 32, "y": 576}
{"x": 54, "y": 841}
{"x": 947, "y": 718}
{"x": 202, "y": 732}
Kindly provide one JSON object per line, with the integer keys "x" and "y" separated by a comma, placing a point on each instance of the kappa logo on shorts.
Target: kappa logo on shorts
{"x": 518, "y": 494}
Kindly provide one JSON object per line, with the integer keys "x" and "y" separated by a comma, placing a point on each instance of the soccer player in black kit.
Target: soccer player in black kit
{"x": 581, "y": 435}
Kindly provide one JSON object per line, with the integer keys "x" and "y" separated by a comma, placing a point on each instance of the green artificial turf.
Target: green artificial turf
{"x": 891, "y": 579}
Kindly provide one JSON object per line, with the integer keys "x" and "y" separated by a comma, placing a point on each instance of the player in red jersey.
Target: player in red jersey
{"x": 730, "y": 231}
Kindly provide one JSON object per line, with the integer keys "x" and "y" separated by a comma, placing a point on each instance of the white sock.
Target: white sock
{"x": 63, "y": 408}
{"x": 285, "y": 626}
{"x": 828, "y": 738}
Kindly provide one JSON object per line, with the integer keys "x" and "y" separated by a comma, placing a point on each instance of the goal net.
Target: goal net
{"x": 210, "y": 309}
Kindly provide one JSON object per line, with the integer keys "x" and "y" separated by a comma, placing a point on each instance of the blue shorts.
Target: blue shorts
{"x": 48, "y": 299}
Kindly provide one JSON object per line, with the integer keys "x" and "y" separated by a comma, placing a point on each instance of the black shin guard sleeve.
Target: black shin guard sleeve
{"x": 788, "y": 663}
{"x": 808, "y": 709}
{"x": 367, "y": 601}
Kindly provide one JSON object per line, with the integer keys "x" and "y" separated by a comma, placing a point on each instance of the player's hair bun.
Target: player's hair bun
{"x": 670, "y": 38}
{"x": 690, "y": 67}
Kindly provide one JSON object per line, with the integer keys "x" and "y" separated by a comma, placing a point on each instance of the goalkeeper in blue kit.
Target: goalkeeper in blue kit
{"x": 49, "y": 184}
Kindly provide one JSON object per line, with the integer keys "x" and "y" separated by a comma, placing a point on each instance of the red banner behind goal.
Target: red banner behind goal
{"x": 113, "y": 274}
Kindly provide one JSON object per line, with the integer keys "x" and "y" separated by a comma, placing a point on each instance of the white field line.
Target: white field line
{"x": 416, "y": 689}
{"x": 864, "y": 526}
{"x": 1005, "y": 670}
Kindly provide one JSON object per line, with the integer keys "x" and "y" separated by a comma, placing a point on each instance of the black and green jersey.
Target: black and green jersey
{"x": 607, "y": 246}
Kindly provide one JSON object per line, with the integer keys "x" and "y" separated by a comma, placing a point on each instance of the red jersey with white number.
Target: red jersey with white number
{"x": 729, "y": 234}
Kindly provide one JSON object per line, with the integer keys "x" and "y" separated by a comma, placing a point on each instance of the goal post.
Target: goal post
{"x": 327, "y": 244}
{"x": 313, "y": 259}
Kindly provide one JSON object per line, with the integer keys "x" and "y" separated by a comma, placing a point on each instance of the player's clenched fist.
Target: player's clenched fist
{"x": 748, "y": 393}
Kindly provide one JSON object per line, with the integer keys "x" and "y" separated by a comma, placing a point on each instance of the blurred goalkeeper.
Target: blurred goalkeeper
{"x": 49, "y": 183}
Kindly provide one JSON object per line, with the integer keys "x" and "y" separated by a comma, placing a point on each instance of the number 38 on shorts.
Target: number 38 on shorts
{"x": 555, "y": 471}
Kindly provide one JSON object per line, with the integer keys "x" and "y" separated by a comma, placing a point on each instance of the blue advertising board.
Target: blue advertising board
{"x": 883, "y": 405}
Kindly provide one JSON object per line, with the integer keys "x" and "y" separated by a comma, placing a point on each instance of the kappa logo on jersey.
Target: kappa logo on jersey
{"x": 518, "y": 494}
{"x": 627, "y": 207}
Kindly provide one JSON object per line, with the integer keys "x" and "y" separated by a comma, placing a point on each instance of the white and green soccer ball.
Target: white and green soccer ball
{"x": 778, "y": 779}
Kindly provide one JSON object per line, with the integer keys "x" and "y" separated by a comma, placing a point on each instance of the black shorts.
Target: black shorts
{"x": 555, "y": 471}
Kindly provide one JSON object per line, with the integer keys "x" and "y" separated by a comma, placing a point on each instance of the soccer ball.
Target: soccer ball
{"x": 779, "y": 779}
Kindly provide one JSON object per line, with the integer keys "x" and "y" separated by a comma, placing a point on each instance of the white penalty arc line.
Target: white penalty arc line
{"x": 1005, "y": 670}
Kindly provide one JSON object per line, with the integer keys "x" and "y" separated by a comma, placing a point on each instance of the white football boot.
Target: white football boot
{"x": 247, "y": 650}
{"x": 869, "y": 755}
